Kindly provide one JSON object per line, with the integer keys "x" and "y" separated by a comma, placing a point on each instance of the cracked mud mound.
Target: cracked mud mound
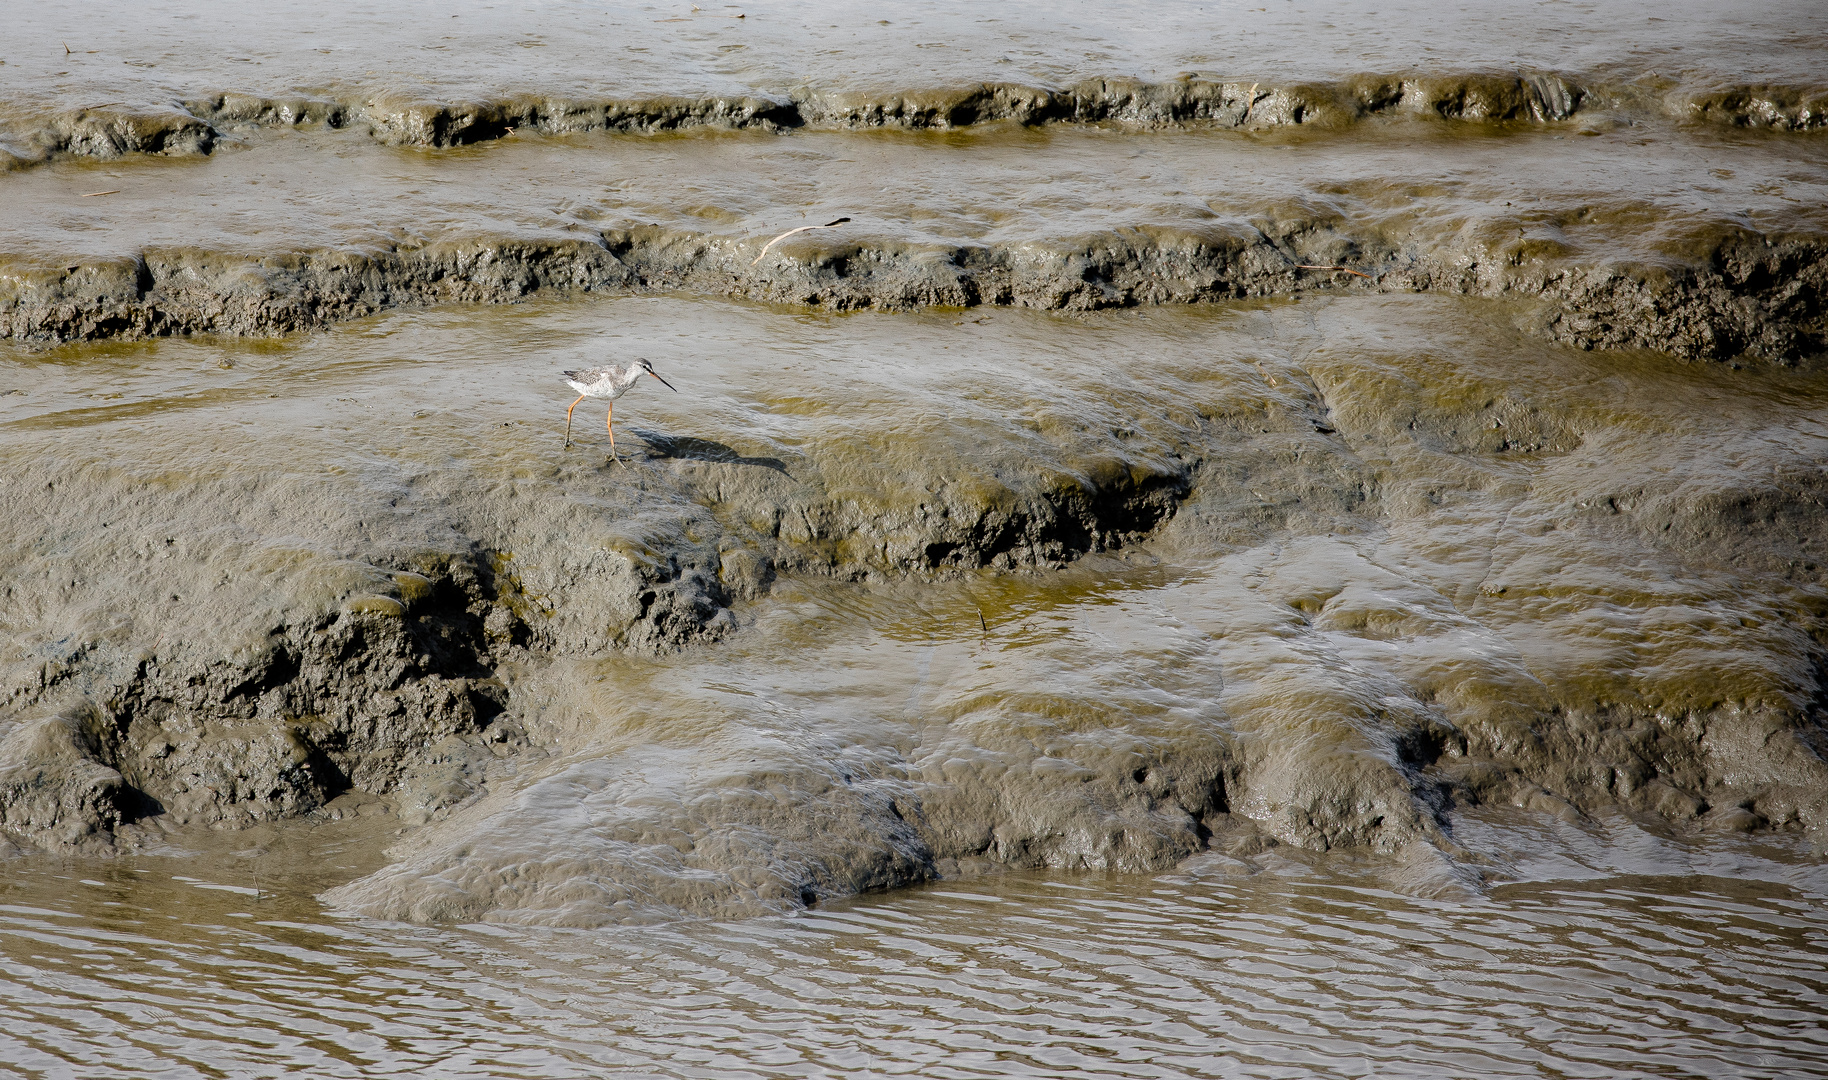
{"x": 880, "y": 597}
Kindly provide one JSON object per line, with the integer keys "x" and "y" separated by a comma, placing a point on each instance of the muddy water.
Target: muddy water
{"x": 1628, "y": 956}
{"x": 663, "y": 48}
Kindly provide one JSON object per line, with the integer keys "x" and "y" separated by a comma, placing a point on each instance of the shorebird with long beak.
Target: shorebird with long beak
{"x": 607, "y": 382}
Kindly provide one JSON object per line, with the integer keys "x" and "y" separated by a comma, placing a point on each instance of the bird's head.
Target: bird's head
{"x": 649, "y": 369}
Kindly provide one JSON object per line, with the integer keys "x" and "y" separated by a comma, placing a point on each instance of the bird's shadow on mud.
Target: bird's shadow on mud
{"x": 691, "y": 448}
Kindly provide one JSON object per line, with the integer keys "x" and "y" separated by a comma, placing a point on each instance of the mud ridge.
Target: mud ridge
{"x": 195, "y": 126}
{"x": 1746, "y": 293}
{"x": 393, "y": 690}
{"x": 363, "y": 697}
{"x": 1358, "y": 706}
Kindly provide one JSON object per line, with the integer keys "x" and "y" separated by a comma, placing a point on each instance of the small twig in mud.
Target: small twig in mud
{"x": 801, "y": 229}
{"x": 1305, "y": 266}
{"x": 93, "y": 194}
{"x": 981, "y": 622}
{"x": 254, "y": 856}
{"x": 66, "y": 47}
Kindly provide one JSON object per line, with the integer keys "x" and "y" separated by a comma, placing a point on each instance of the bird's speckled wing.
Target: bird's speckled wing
{"x": 588, "y": 375}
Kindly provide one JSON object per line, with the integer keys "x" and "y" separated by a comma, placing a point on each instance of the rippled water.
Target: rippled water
{"x": 1267, "y": 967}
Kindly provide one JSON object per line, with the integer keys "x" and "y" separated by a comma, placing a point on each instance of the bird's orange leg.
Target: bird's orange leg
{"x": 609, "y": 422}
{"x": 568, "y": 420}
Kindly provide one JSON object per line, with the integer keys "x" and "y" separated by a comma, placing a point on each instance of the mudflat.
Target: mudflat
{"x": 1378, "y": 472}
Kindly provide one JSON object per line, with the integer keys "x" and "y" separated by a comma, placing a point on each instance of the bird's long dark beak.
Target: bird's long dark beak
{"x": 666, "y": 384}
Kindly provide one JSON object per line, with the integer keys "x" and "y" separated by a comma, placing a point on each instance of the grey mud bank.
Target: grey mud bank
{"x": 1669, "y": 202}
{"x": 197, "y": 127}
{"x": 888, "y": 597}
{"x": 1751, "y": 296}
{"x": 1704, "y": 246}
{"x": 1193, "y": 462}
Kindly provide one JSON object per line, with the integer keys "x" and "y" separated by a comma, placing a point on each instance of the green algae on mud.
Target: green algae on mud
{"x": 1302, "y": 573}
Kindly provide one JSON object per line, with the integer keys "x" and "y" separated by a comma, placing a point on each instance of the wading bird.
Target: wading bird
{"x": 606, "y": 382}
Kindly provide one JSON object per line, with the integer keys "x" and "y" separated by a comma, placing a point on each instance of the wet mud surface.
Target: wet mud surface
{"x": 1114, "y": 589}
{"x": 1205, "y": 487}
{"x": 1703, "y": 247}
{"x": 181, "y": 79}
{"x": 1671, "y": 201}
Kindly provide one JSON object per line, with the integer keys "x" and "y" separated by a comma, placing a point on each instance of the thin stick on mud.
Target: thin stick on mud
{"x": 93, "y": 194}
{"x": 1305, "y": 266}
{"x": 790, "y": 232}
{"x": 982, "y": 623}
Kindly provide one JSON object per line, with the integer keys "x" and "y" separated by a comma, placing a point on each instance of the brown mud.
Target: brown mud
{"x": 1706, "y": 248}
{"x": 1231, "y": 454}
{"x": 1314, "y": 573}
{"x": 196, "y": 126}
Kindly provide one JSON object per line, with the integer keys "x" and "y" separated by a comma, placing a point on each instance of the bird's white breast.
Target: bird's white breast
{"x": 601, "y": 388}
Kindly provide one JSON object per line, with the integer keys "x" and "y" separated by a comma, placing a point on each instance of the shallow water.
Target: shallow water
{"x": 1636, "y": 957}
